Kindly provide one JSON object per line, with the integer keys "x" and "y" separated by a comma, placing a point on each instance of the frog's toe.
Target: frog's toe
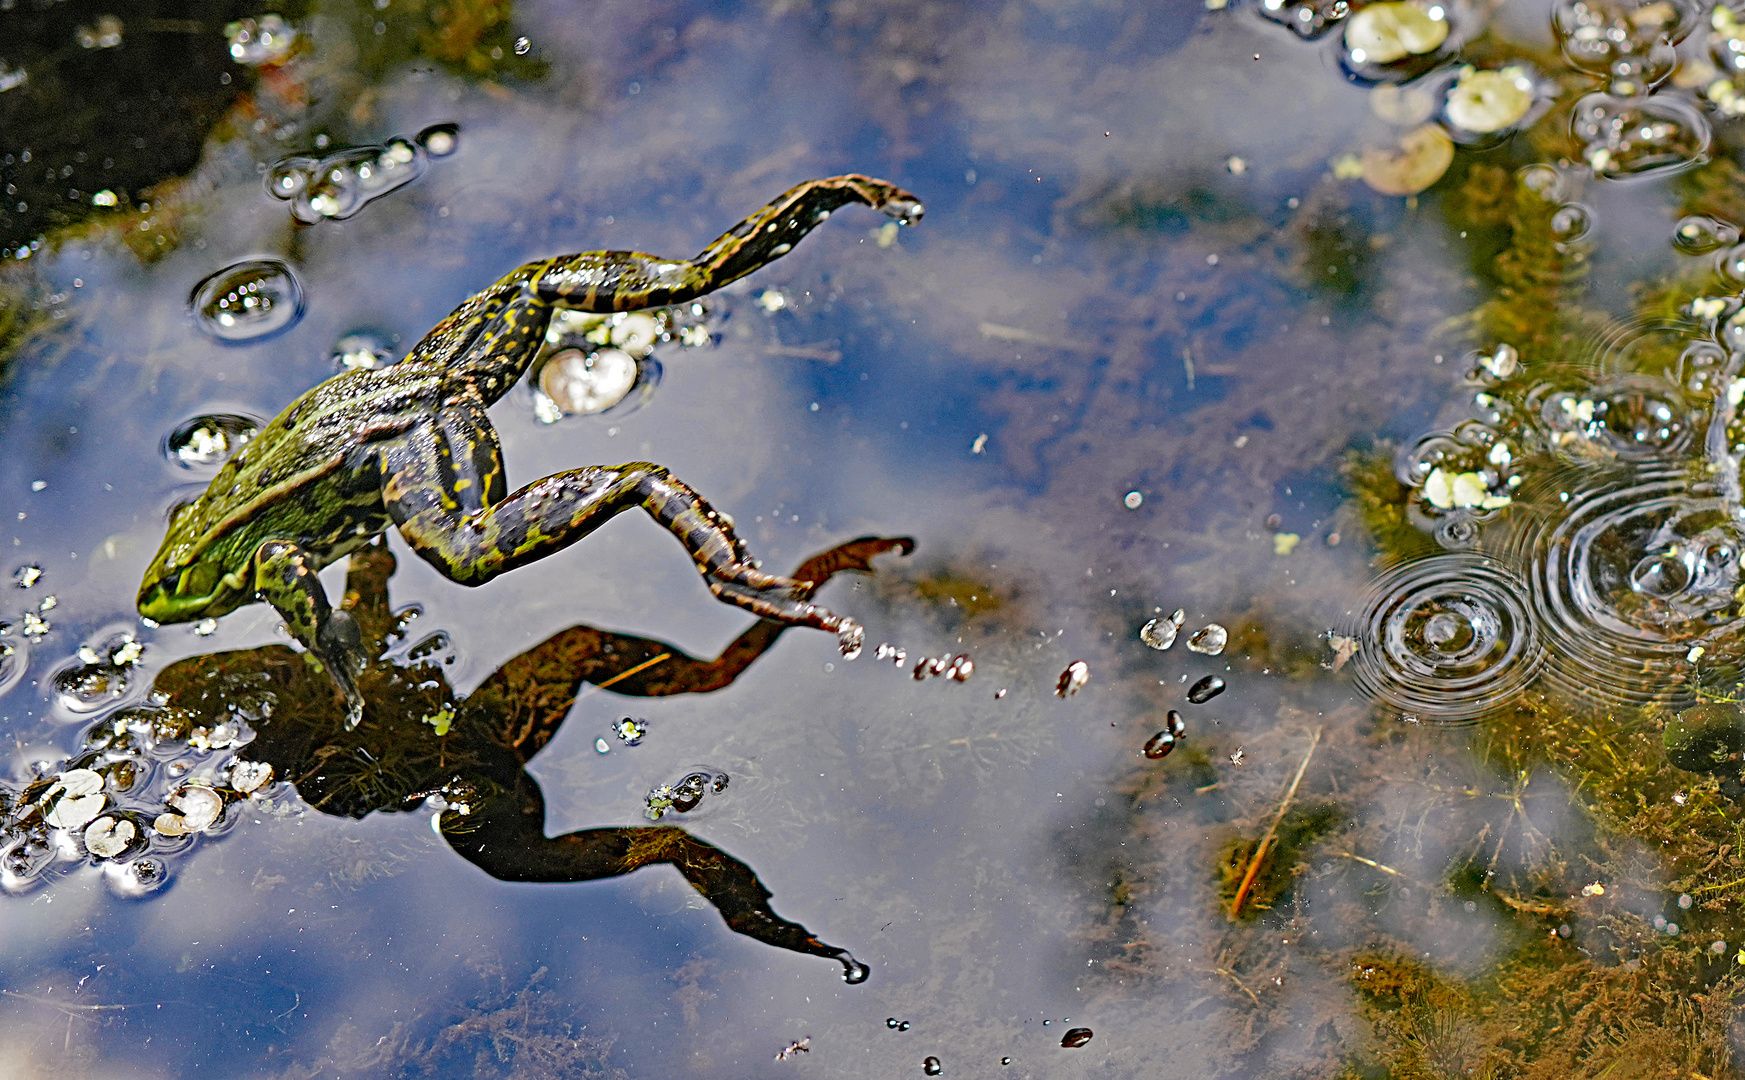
{"x": 851, "y": 636}
{"x": 905, "y": 208}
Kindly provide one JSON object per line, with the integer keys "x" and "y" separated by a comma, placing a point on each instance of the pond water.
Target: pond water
{"x": 1395, "y": 343}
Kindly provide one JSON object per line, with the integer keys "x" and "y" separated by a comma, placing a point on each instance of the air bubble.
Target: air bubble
{"x": 683, "y": 795}
{"x": 1628, "y": 137}
{"x": 342, "y": 183}
{"x": 1308, "y": 18}
{"x": 1571, "y": 222}
{"x": 1701, "y": 235}
{"x": 439, "y": 140}
{"x": 523, "y": 46}
{"x": 931, "y": 1067}
{"x": 208, "y": 440}
{"x": 247, "y": 301}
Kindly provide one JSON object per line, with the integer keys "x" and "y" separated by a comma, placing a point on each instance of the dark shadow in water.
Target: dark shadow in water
{"x": 417, "y": 740}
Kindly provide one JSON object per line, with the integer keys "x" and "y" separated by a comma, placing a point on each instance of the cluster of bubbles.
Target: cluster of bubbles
{"x": 144, "y": 785}
{"x": 204, "y": 442}
{"x": 1592, "y": 519}
{"x": 344, "y": 182}
{"x": 259, "y": 42}
{"x": 684, "y": 794}
{"x": 593, "y": 364}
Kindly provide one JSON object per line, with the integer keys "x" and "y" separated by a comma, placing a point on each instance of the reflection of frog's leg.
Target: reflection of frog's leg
{"x": 506, "y": 839}
{"x": 626, "y": 280}
{"x": 525, "y": 701}
{"x": 473, "y": 543}
{"x": 284, "y": 576}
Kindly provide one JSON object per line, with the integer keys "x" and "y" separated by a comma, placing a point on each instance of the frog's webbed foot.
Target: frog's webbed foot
{"x": 285, "y": 577}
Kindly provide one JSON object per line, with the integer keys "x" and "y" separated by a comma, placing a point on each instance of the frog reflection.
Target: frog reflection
{"x": 252, "y": 720}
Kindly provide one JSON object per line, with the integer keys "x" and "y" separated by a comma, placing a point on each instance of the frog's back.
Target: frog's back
{"x": 295, "y": 479}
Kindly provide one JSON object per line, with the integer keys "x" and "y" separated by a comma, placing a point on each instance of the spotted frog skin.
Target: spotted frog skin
{"x": 410, "y": 447}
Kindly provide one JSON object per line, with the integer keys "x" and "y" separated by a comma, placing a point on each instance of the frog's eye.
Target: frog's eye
{"x": 198, "y": 580}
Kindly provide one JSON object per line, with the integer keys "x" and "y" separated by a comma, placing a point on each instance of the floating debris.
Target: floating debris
{"x": 1209, "y": 640}
{"x": 107, "y": 837}
{"x": 247, "y": 301}
{"x": 962, "y": 667}
{"x": 106, "y": 34}
{"x": 1205, "y": 690}
{"x": 249, "y": 777}
{"x": 931, "y": 1066}
{"x": 1486, "y": 102}
{"x": 27, "y": 575}
{"x": 1344, "y": 647}
{"x": 630, "y": 730}
{"x": 1077, "y": 1037}
{"x": 683, "y": 795}
{"x": 363, "y": 350}
{"x": 1418, "y": 160}
{"x": 1073, "y": 679}
{"x": 266, "y": 40}
{"x": 208, "y": 440}
{"x": 1385, "y": 33}
{"x": 13, "y": 660}
{"x": 799, "y": 1046}
{"x": 925, "y": 667}
{"x": 35, "y": 626}
{"x": 192, "y": 809}
{"x": 1160, "y": 633}
{"x": 601, "y": 746}
{"x": 74, "y": 800}
{"x": 1159, "y": 745}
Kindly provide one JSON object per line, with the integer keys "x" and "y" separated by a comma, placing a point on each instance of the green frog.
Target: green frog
{"x": 410, "y": 447}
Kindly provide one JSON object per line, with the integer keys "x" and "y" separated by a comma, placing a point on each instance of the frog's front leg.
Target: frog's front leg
{"x": 471, "y": 540}
{"x": 603, "y": 281}
{"x": 285, "y": 577}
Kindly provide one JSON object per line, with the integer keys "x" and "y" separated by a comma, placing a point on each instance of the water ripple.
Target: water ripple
{"x": 1447, "y": 637}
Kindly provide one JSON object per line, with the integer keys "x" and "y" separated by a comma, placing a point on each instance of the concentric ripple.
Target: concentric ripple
{"x": 1629, "y": 577}
{"x": 1446, "y": 638}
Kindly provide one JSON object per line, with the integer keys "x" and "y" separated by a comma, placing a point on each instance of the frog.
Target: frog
{"x": 410, "y": 447}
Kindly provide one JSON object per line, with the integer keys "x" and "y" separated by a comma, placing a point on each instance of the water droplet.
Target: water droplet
{"x": 854, "y": 972}
{"x": 27, "y": 575}
{"x": 1133, "y": 500}
{"x": 1205, "y": 690}
{"x": 266, "y": 40}
{"x": 208, "y": 440}
{"x": 439, "y": 140}
{"x": 1701, "y": 235}
{"x": 1164, "y": 741}
{"x": 931, "y": 1066}
{"x": 1160, "y": 633}
{"x": 630, "y": 730}
{"x": 247, "y": 301}
{"x": 1209, "y": 640}
{"x": 601, "y": 746}
{"x": 1446, "y": 637}
{"x": 522, "y": 46}
{"x": 1625, "y": 137}
{"x": 1073, "y": 679}
{"x": 1075, "y": 1037}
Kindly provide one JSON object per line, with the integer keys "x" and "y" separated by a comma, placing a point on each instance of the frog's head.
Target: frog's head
{"x": 175, "y": 593}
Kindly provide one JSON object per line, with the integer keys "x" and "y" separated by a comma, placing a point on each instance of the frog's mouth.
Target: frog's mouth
{"x": 198, "y": 592}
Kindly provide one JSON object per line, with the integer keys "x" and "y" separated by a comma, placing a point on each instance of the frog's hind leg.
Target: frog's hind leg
{"x": 284, "y": 576}
{"x": 472, "y": 541}
{"x": 604, "y": 281}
